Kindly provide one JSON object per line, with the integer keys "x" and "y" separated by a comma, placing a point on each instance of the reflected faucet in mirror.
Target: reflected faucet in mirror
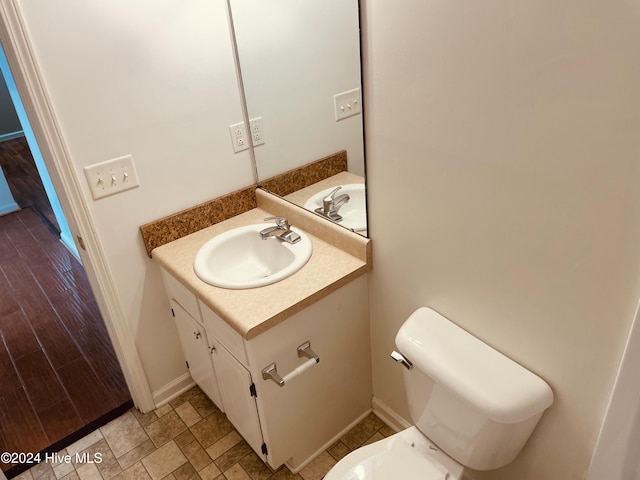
{"x": 331, "y": 204}
{"x": 295, "y": 83}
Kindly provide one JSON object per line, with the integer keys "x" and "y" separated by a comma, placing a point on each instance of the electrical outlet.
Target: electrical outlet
{"x": 347, "y": 104}
{"x": 112, "y": 176}
{"x": 239, "y": 137}
{"x": 257, "y": 131}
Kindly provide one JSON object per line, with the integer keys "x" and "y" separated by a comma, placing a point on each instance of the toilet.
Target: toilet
{"x": 471, "y": 405}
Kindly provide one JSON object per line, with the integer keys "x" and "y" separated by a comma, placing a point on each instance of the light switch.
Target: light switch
{"x": 112, "y": 176}
{"x": 347, "y": 104}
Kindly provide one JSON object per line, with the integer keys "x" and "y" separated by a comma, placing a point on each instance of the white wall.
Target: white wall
{"x": 7, "y": 202}
{"x": 154, "y": 79}
{"x": 503, "y": 166}
{"x": 616, "y": 452}
{"x": 502, "y": 147}
{"x": 295, "y": 56}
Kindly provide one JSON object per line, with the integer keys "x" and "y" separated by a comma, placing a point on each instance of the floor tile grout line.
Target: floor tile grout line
{"x": 378, "y": 429}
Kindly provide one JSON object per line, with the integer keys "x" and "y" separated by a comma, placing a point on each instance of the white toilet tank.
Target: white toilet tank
{"x": 476, "y": 404}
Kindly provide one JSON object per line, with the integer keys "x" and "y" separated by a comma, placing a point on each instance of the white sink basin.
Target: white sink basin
{"x": 240, "y": 259}
{"x": 354, "y": 212}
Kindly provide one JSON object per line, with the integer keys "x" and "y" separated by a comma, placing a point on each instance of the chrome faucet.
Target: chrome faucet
{"x": 281, "y": 230}
{"x": 331, "y": 204}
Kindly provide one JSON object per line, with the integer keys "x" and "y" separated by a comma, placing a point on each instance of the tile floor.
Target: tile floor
{"x": 189, "y": 438}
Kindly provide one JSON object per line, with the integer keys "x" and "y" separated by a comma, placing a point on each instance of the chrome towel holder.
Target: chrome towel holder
{"x": 270, "y": 372}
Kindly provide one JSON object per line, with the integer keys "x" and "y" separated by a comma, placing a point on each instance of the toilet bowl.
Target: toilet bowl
{"x": 471, "y": 405}
{"x": 407, "y": 455}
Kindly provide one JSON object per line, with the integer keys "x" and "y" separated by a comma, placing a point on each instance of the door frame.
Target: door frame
{"x": 57, "y": 159}
{"x": 615, "y": 454}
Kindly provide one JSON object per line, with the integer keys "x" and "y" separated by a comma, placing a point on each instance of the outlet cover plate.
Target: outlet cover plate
{"x": 257, "y": 131}
{"x": 238, "y": 132}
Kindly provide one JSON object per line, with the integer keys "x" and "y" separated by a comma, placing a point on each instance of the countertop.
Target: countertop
{"x": 343, "y": 178}
{"x": 253, "y": 311}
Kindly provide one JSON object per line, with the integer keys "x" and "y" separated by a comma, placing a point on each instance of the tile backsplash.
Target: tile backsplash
{"x": 181, "y": 224}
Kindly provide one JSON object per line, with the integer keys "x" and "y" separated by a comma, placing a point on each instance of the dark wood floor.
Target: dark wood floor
{"x": 58, "y": 371}
{"x": 24, "y": 181}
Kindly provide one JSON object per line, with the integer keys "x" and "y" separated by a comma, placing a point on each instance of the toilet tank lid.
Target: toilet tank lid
{"x": 503, "y": 390}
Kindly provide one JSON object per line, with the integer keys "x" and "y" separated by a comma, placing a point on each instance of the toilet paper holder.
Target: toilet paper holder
{"x": 270, "y": 372}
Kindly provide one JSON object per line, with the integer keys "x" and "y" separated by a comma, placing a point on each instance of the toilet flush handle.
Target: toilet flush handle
{"x": 398, "y": 357}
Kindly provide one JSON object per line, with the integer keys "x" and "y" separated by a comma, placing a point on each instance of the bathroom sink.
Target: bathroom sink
{"x": 353, "y": 212}
{"x": 240, "y": 258}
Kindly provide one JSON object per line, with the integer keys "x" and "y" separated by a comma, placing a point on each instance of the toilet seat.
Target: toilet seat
{"x": 408, "y": 455}
{"x": 402, "y": 464}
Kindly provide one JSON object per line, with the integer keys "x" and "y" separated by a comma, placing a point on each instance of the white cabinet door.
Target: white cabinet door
{"x": 237, "y": 396}
{"x": 197, "y": 353}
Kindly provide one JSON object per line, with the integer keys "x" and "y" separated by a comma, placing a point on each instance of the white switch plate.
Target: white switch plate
{"x": 347, "y": 104}
{"x": 257, "y": 131}
{"x": 239, "y": 140}
{"x": 112, "y": 176}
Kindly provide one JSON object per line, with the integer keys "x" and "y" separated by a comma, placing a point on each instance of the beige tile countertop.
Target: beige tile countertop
{"x": 253, "y": 311}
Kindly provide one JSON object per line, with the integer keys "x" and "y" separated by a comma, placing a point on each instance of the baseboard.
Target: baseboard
{"x": 173, "y": 389}
{"x": 385, "y": 413}
{"x": 295, "y": 469}
{"x": 380, "y": 410}
{"x": 68, "y": 242}
{"x": 9, "y": 207}
{"x": 11, "y": 136}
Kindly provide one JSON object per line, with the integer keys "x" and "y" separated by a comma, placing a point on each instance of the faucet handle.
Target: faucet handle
{"x": 281, "y": 222}
{"x": 332, "y": 195}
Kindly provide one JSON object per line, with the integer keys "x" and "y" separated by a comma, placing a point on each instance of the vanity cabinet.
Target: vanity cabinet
{"x": 293, "y": 423}
{"x": 239, "y": 397}
{"x": 197, "y": 352}
{"x": 216, "y": 356}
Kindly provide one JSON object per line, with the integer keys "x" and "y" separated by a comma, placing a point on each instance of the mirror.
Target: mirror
{"x": 295, "y": 57}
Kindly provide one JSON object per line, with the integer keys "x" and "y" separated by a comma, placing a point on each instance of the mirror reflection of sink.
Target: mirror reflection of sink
{"x": 353, "y": 212}
{"x": 240, "y": 258}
